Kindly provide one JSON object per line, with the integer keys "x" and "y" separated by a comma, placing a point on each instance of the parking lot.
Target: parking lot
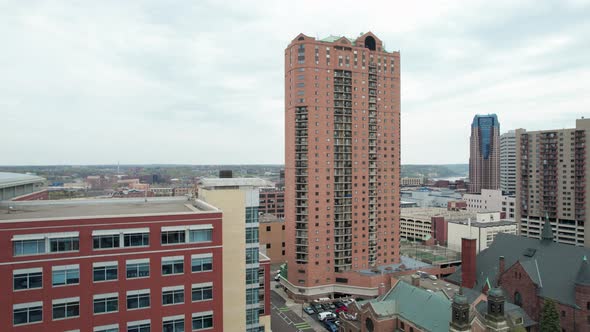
{"x": 290, "y": 316}
{"x": 327, "y": 312}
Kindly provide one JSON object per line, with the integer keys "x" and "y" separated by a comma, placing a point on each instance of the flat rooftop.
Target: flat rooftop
{"x": 485, "y": 224}
{"x": 234, "y": 182}
{"x": 17, "y": 179}
{"x": 407, "y": 263}
{"x": 428, "y": 212}
{"x": 435, "y": 286}
{"x": 100, "y": 207}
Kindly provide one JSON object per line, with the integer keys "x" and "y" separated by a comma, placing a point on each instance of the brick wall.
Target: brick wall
{"x": 515, "y": 279}
{"x": 36, "y": 196}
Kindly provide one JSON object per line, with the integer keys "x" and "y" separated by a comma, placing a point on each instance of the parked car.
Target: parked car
{"x": 343, "y": 308}
{"x": 331, "y": 306}
{"x": 325, "y": 314}
{"x": 326, "y": 306}
{"x": 339, "y": 304}
{"x": 321, "y": 299}
{"x": 432, "y": 277}
{"x": 317, "y": 307}
{"x": 331, "y": 325}
{"x": 309, "y": 310}
{"x": 277, "y": 277}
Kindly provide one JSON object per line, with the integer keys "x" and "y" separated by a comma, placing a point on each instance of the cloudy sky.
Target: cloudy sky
{"x": 201, "y": 82}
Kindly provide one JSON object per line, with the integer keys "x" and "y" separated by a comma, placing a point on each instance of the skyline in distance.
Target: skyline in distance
{"x": 146, "y": 83}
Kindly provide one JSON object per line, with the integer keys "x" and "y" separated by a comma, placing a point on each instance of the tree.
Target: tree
{"x": 549, "y": 317}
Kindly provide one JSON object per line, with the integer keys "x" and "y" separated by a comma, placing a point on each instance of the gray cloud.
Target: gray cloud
{"x": 202, "y": 81}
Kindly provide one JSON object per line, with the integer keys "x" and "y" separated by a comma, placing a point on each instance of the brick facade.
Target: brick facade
{"x": 516, "y": 279}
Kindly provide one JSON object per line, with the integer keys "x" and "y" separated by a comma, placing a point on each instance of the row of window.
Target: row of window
{"x": 108, "y": 271}
{"x": 28, "y": 313}
{"x": 108, "y": 303}
{"x": 36, "y": 244}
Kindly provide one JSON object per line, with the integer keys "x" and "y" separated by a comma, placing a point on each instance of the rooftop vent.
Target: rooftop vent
{"x": 529, "y": 252}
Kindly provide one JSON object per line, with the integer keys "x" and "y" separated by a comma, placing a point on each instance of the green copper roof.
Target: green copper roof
{"x": 497, "y": 292}
{"x": 331, "y": 39}
{"x": 429, "y": 311}
{"x": 460, "y": 298}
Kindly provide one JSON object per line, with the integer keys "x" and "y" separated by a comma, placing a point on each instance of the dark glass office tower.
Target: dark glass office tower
{"x": 484, "y": 159}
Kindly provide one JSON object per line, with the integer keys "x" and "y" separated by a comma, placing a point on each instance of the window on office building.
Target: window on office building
{"x": 173, "y": 324}
{"x": 173, "y": 237}
{"x": 26, "y": 313}
{"x": 105, "y": 303}
{"x": 139, "y": 326}
{"x": 137, "y": 268}
{"x": 202, "y": 292}
{"x": 104, "y": 271}
{"x": 202, "y": 320}
{"x": 172, "y": 265}
{"x": 66, "y": 308}
{"x": 27, "y": 278}
{"x": 138, "y": 299}
{"x": 172, "y": 295}
{"x": 202, "y": 263}
{"x": 64, "y": 244}
{"x": 65, "y": 275}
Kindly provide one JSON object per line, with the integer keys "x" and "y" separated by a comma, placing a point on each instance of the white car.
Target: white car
{"x": 326, "y": 314}
{"x": 277, "y": 277}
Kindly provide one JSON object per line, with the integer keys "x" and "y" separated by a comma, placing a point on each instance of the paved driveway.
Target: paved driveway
{"x": 283, "y": 318}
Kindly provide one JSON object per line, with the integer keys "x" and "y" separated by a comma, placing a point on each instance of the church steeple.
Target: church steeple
{"x": 496, "y": 304}
{"x": 547, "y": 234}
{"x": 460, "y": 307}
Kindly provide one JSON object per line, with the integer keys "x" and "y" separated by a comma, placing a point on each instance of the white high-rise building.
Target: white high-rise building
{"x": 508, "y": 162}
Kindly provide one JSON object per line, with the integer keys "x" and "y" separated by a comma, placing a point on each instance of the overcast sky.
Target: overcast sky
{"x": 201, "y": 82}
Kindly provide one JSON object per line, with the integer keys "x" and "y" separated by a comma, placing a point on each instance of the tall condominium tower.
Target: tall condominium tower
{"x": 342, "y": 159}
{"x": 508, "y": 162}
{"x": 484, "y": 158}
{"x": 552, "y": 182}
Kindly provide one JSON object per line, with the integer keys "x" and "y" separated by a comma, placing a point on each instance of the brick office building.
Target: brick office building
{"x": 111, "y": 265}
{"x": 342, "y": 159}
{"x": 531, "y": 270}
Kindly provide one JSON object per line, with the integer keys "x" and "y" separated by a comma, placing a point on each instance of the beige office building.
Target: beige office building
{"x": 246, "y": 306}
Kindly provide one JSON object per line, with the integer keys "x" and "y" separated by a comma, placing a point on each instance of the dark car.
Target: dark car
{"x": 331, "y": 307}
{"x": 330, "y": 325}
{"x": 309, "y": 310}
{"x": 326, "y": 306}
{"x": 317, "y": 307}
{"x": 339, "y": 304}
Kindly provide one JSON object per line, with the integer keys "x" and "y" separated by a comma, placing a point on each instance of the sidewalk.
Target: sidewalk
{"x": 297, "y": 308}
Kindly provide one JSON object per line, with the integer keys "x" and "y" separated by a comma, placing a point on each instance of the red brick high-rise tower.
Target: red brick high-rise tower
{"x": 342, "y": 159}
